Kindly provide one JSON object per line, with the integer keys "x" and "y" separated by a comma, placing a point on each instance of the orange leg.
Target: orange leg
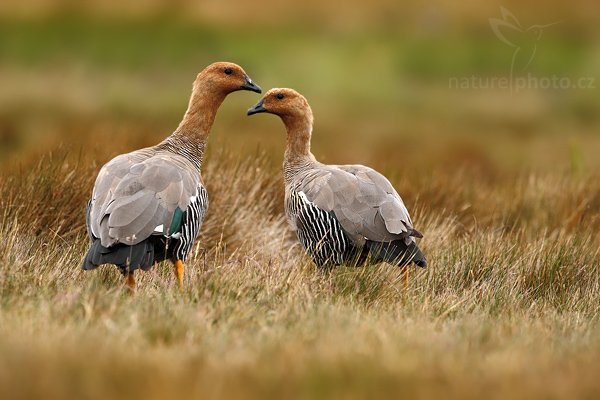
{"x": 130, "y": 281}
{"x": 178, "y": 268}
{"x": 405, "y": 277}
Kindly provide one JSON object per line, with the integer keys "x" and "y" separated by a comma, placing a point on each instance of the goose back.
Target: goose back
{"x": 137, "y": 195}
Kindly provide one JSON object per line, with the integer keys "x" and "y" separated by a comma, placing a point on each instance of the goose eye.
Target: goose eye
{"x": 228, "y": 71}
{"x": 280, "y": 96}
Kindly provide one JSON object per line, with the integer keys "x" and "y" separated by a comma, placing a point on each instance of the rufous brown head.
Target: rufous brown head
{"x": 283, "y": 102}
{"x": 225, "y": 77}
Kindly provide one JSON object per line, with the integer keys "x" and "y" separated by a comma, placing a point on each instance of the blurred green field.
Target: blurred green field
{"x": 503, "y": 185}
{"x": 63, "y": 78}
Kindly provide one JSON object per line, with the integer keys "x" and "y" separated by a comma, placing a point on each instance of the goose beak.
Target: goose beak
{"x": 249, "y": 85}
{"x": 258, "y": 108}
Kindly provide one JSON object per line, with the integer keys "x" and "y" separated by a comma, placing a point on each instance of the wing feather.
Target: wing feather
{"x": 122, "y": 211}
{"x": 364, "y": 201}
{"x": 137, "y": 192}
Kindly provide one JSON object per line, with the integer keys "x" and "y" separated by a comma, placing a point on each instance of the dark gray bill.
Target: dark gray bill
{"x": 258, "y": 108}
{"x": 249, "y": 85}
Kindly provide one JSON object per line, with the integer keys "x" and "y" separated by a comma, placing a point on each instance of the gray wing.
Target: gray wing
{"x": 364, "y": 202}
{"x": 136, "y": 195}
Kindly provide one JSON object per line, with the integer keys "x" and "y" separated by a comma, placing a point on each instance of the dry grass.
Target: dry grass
{"x": 508, "y": 306}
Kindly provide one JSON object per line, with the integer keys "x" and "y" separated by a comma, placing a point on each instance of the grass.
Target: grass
{"x": 508, "y": 305}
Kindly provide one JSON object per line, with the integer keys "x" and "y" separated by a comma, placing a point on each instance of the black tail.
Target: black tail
{"x": 397, "y": 252}
{"x": 127, "y": 258}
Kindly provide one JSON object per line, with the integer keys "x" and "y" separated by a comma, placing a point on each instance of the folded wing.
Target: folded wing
{"x": 136, "y": 195}
{"x": 363, "y": 201}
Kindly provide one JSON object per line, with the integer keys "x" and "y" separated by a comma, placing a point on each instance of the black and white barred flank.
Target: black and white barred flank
{"x": 319, "y": 231}
{"x": 190, "y": 227}
{"x": 327, "y": 243}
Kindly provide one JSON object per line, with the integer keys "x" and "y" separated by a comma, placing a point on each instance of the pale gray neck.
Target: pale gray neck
{"x": 179, "y": 144}
{"x": 292, "y": 170}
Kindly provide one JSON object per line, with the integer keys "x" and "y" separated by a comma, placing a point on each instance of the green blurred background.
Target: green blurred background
{"x": 101, "y": 77}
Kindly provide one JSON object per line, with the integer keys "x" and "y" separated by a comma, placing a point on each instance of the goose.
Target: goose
{"x": 148, "y": 205}
{"x": 342, "y": 214}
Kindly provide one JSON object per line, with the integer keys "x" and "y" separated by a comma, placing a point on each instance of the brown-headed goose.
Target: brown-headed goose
{"x": 341, "y": 213}
{"x": 148, "y": 205}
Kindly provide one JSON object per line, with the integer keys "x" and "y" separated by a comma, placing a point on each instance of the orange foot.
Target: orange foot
{"x": 130, "y": 280}
{"x": 178, "y": 268}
